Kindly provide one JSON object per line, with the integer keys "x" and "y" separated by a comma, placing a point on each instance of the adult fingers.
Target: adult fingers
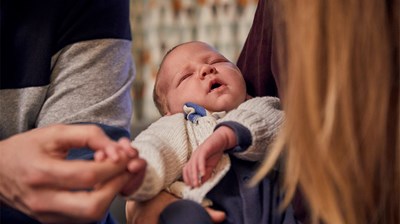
{"x": 115, "y": 153}
{"x": 76, "y": 206}
{"x": 75, "y": 174}
{"x": 126, "y": 146}
{"x": 133, "y": 184}
{"x": 137, "y": 168}
{"x": 65, "y": 137}
{"x": 216, "y": 216}
{"x": 99, "y": 156}
{"x": 56, "y": 218}
{"x": 137, "y": 165}
{"x": 148, "y": 212}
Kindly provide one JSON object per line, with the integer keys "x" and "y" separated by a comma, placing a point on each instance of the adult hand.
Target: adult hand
{"x": 206, "y": 157}
{"x": 134, "y": 164}
{"x": 36, "y": 179}
{"x": 149, "y": 212}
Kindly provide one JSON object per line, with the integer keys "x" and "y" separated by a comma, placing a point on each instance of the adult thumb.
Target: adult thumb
{"x": 216, "y": 216}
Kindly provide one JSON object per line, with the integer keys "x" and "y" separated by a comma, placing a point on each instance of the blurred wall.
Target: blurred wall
{"x": 158, "y": 25}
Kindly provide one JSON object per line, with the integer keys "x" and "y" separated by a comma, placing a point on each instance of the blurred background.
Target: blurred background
{"x": 158, "y": 25}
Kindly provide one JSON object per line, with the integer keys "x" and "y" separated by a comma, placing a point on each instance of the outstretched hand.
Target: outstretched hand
{"x": 206, "y": 157}
{"x": 37, "y": 180}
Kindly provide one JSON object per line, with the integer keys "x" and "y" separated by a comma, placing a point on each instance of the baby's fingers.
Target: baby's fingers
{"x": 113, "y": 153}
{"x": 201, "y": 167}
{"x": 99, "y": 156}
{"x": 194, "y": 173}
{"x": 207, "y": 174}
{"x": 121, "y": 151}
{"x": 189, "y": 174}
{"x": 126, "y": 147}
{"x": 185, "y": 174}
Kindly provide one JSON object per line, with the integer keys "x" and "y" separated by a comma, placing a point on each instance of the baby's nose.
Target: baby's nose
{"x": 206, "y": 70}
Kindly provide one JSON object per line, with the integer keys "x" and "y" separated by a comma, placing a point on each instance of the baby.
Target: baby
{"x": 207, "y": 117}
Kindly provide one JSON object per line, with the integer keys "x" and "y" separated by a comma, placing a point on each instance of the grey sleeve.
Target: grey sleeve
{"x": 91, "y": 83}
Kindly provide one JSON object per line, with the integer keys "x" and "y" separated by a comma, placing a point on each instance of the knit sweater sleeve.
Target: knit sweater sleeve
{"x": 263, "y": 117}
{"x": 164, "y": 145}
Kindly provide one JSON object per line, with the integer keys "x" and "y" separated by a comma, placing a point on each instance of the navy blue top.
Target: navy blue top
{"x": 33, "y": 31}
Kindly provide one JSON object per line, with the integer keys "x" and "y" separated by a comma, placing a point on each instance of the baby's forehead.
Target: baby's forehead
{"x": 193, "y": 48}
{"x": 181, "y": 56}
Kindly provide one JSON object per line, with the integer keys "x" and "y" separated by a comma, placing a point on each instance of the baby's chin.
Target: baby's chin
{"x": 226, "y": 107}
{"x": 229, "y": 103}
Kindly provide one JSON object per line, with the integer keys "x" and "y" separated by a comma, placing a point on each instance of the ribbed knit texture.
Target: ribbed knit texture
{"x": 167, "y": 145}
{"x": 263, "y": 117}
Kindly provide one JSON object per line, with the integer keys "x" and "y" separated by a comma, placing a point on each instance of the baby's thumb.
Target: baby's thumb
{"x": 207, "y": 174}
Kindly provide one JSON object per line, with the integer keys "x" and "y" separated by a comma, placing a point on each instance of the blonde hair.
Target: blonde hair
{"x": 340, "y": 141}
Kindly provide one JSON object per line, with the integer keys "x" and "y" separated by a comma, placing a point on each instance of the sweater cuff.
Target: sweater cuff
{"x": 243, "y": 136}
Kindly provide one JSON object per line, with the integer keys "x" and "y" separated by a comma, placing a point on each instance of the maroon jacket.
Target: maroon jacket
{"x": 258, "y": 62}
{"x": 258, "y": 59}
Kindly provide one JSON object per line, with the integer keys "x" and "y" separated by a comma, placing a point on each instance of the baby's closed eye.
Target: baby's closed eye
{"x": 184, "y": 77}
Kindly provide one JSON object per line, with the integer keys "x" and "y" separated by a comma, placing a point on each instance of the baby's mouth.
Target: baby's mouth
{"x": 215, "y": 86}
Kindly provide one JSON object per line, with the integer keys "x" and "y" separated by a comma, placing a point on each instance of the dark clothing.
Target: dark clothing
{"x": 25, "y": 58}
{"x": 243, "y": 204}
{"x": 184, "y": 211}
{"x": 54, "y": 57}
{"x": 11, "y": 216}
{"x": 258, "y": 60}
{"x": 259, "y": 65}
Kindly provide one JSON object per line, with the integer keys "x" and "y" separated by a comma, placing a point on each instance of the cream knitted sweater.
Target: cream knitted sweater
{"x": 168, "y": 143}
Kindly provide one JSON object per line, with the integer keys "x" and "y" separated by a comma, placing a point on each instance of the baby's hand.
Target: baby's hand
{"x": 206, "y": 157}
{"x": 116, "y": 154}
{"x": 124, "y": 153}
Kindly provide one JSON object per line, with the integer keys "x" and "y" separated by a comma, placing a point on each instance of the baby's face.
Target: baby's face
{"x": 196, "y": 72}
